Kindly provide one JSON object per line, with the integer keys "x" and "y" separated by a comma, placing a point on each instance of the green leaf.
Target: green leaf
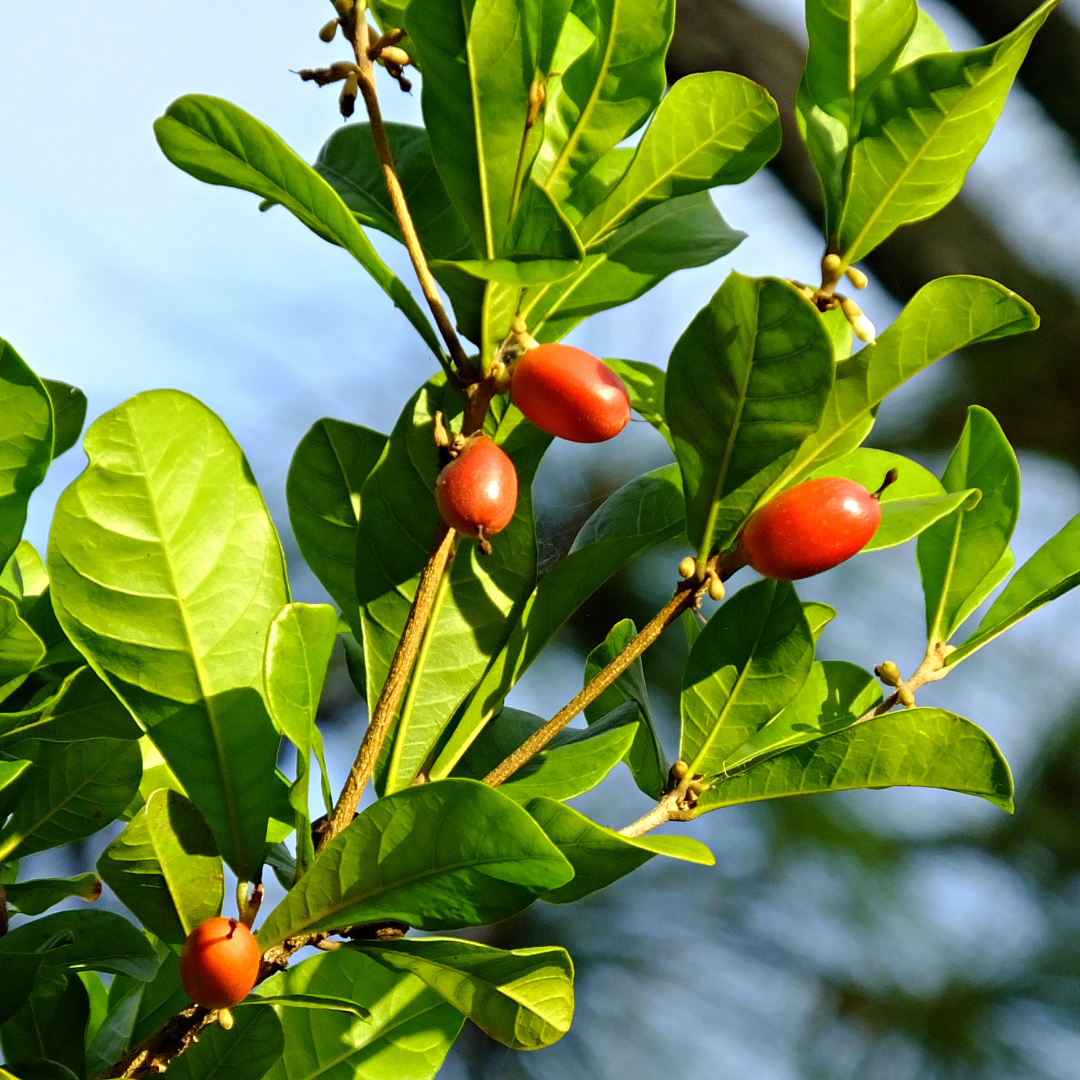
{"x": 82, "y": 707}
{"x": 540, "y": 234}
{"x": 712, "y": 128}
{"x": 751, "y": 659}
{"x": 71, "y": 941}
{"x": 913, "y": 748}
{"x": 437, "y": 856}
{"x": 327, "y": 472}
{"x": 10, "y": 771}
{"x": 166, "y": 571}
{"x": 475, "y": 100}
{"x": 349, "y": 164}
{"x": 638, "y": 517}
{"x": 218, "y": 143}
{"x": 676, "y": 235}
{"x": 747, "y": 383}
{"x": 607, "y": 92}
{"x": 957, "y": 554}
{"x": 23, "y": 578}
{"x": 36, "y": 1069}
{"x": 818, "y": 616}
{"x": 34, "y": 897}
{"x": 1051, "y": 572}
{"x": 646, "y": 758}
{"x": 573, "y": 762}
{"x": 70, "y": 791}
{"x": 645, "y": 385}
{"x": 98, "y": 993}
{"x": 922, "y": 128}
{"x": 854, "y": 44}
{"x": 601, "y": 856}
{"x": 947, "y": 314}
{"x": 249, "y": 1051}
{"x": 297, "y": 654}
{"x": 523, "y": 998}
{"x": 909, "y": 505}
{"x": 164, "y": 867}
{"x": 469, "y": 621}
{"x": 410, "y": 1030}
{"x": 833, "y": 697}
{"x": 20, "y": 648}
{"x": 926, "y": 38}
{"x": 50, "y": 1025}
{"x": 26, "y": 443}
{"x": 317, "y": 1002}
{"x": 69, "y": 414}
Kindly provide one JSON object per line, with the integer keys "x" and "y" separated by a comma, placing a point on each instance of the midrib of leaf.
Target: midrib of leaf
{"x": 474, "y": 91}
{"x": 590, "y": 104}
{"x": 917, "y": 156}
{"x": 714, "y": 509}
{"x": 935, "y": 630}
{"x": 730, "y": 703}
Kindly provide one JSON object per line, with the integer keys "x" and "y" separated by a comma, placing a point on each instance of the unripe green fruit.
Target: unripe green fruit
{"x": 810, "y": 528}
{"x": 477, "y": 492}
{"x": 569, "y": 393}
{"x": 219, "y": 963}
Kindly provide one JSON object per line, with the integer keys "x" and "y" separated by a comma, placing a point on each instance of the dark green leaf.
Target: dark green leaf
{"x": 913, "y": 748}
{"x": 165, "y": 868}
{"x": 50, "y": 1025}
{"x": 143, "y": 588}
{"x": 34, "y": 897}
{"x": 69, "y": 414}
{"x": 523, "y": 998}
{"x": 751, "y": 660}
{"x": 472, "y": 856}
{"x": 747, "y": 383}
{"x": 36, "y": 1069}
{"x": 248, "y": 1052}
{"x": 218, "y": 143}
{"x": 958, "y": 555}
{"x": 327, "y": 472}
{"x": 600, "y": 856}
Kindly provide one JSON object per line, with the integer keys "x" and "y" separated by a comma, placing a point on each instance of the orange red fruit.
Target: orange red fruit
{"x": 219, "y": 963}
{"x": 477, "y": 491}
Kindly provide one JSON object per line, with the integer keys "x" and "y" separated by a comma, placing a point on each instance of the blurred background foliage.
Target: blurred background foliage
{"x": 885, "y": 935}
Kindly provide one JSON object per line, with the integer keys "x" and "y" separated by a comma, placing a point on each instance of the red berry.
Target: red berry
{"x": 477, "y": 491}
{"x": 569, "y": 393}
{"x": 219, "y": 963}
{"x": 810, "y": 528}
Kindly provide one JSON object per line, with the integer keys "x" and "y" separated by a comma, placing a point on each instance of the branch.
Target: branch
{"x": 396, "y": 680}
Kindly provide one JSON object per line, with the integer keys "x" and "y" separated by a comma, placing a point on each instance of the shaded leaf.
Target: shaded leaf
{"x": 34, "y": 897}
{"x": 20, "y": 648}
{"x": 69, "y": 414}
{"x": 50, "y": 1025}
{"x": 248, "y": 1052}
{"x": 310, "y": 1001}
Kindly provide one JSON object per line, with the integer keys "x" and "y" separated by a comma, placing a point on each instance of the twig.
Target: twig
{"x": 397, "y": 200}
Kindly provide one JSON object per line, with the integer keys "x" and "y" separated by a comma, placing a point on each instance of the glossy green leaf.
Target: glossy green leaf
{"x": 746, "y": 384}
{"x": 75, "y": 941}
{"x": 23, "y": 578}
{"x": 910, "y": 505}
{"x": 957, "y": 554}
{"x": 317, "y": 1002}
{"x": 50, "y": 1025}
{"x": 297, "y": 655}
{"x": 645, "y": 384}
{"x": 36, "y": 1069}
{"x": 69, "y": 414}
{"x": 749, "y": 662}
{"x": 469, "y": 622}
{"x": 70, "y": 791}
{"x": 166, "y": 571}
{"x": 639, "y": 516}
{"x": 676, "y": 235}
{"x": 833, "y": 697}
{"x": 26, "y": 443}
{"x": 249, "y": 1051}
{"x": 34, "y": 897}
{"x": 410, "y": 1030}
{"x": 712, "y": 128}
{"x": 607, "y": 92}
{"x": 818, "y": 616}
{"x": 540, "y": 232}
{"x": 165, "y": 868}
{"x": 574, "y": 762}
{"x": 20, "y": 648}
{"x": 218, "y": 143}
{"x": 327, "y": 472}
{"x": 10, "y": 771}
{"x": 922, "y": 128}
{"x": 601, "y": 856}
{"x": 82, "y": 707}
{"x": 98, "y": 994}
{"x": 913, "y": 748}
{"x": 646, "y": 757}
{"x": 926, "y": 38}
{"x": 349, "y": 164}
{"x": 854, "y": 44}
{"x": 1051, "y": 572}
{"x": 437, "y": 856}
{"x": 947, "y": 314}
{"x": 523, "y": 998}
